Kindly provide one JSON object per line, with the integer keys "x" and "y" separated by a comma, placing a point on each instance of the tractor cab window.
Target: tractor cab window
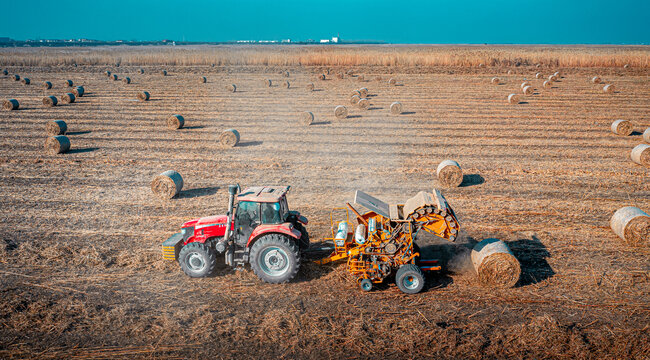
{"x": 271, "y": 213}
{"x": 247, "y": 213}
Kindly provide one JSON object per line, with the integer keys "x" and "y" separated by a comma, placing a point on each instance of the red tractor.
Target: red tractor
{"x": 259, "y": 229}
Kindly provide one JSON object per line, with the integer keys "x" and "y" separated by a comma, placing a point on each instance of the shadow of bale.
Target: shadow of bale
{"x": 532, "y": 255}
{"x": 192, "y": 193}
{"x": 472, "y": 179}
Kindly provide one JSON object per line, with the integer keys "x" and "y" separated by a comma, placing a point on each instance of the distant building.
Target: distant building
{"x": 286, "y": 41}
{"x": 325, "y": 41}
{"x": 335, "y": 39}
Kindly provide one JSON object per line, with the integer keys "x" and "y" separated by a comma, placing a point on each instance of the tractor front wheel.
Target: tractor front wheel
{"x": 197, "y": 260}
{"x": 275, "y": 258}
{"x": 409, "y": 279}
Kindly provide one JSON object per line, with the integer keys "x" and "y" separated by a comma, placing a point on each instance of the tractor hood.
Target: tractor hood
{"x": 206, "y": 221}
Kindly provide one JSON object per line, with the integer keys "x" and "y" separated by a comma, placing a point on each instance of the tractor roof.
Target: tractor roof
{"x": 263, "y": 193}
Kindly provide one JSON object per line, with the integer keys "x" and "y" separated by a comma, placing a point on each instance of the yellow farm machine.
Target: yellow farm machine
{"x": 383, "y": 242}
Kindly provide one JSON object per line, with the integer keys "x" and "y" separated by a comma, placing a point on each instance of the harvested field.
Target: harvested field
{"x": 82, "y": 271}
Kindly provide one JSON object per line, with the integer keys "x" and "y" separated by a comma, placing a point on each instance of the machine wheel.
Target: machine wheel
{"x": 197, "y": 260}
{"x": 409, "y": 279}
{"x": 304, "y": 239}
{"x": 275, "y": 258}
{"x": 366, "y": 285}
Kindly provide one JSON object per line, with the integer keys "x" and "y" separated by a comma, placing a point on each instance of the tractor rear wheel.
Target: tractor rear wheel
{"x": 275, "y": 258}
{"x": 304, "y": 238}
{"x": 197, "y": 260}
{"x": 409, "y": 279}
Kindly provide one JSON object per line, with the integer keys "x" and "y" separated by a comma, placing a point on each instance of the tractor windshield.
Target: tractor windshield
{"x": 271, "y": 213}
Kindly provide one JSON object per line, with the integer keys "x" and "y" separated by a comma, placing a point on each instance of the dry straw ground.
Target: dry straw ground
{"x": 80, "y": 262}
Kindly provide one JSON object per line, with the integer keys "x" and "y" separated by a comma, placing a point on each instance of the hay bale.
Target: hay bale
{"x": 341, "y": 112}
{"x": 495, "y": 265}
{"x": 114, "y": 77}
{"x": 622, "y": 127}
{"x": 56, "y": 127}
{"x": 646, "y": 135}
{"x": 547, "y": 84}
{"x": 363, "y": 92}
{"x": 626, "y": 66}
{"x": 126, "y": 80}
{"x": 596, "y": 79}
{"x": 50, "y": 101}
{"x": 203, "y": 79}
{"x": 175, "y": 122}
{"x": 355, "y": 92}
{"x": 167, "y": 185}
{"x": 449, "y": 173}
{"x": 267, "y": 82}
{"x": 552, "y": 78}
{"x": 557, "y": 74}
{"x": 107, "y": 73}
{"x": 363, "y": 103}
{"x": 378, "y": 78}
{"x": 310, "y": 86}
{"x": 231, "y": 87}
{"x": 495, "y": 81}
{"x": 143, "y": 96}
{"x": 524, "y": 84}
{"x": 163, "y": 72}
{"x": 11, "y": 104}
{"x": 509, "y": 72}
{"x": 513, "y": 99}
{"x": 339, "y": 75}
{"x": 286, "y": 74}
{"x": 350, "y": 72}
{"x": 26, "y": 81}
{"x": 306, "y": 118}
{"x": 5, "y": 72}
{"x": 528, "y": 90}
{"x": 68, "y": 98}
{"x": 16, "y": 77}
{"x": 68, "y": 83}
{"x": 57, "y": 144}
{"x": 141, "y": 71}
{"x": 396, "y": 108}
{"x": 481, "y": 65}
{"x": 538, "y": 76}
{"x": 354, "y": 99}
{"x": 641, "y": 154}
{"x": 79, "y": 91}
{"x": 608, "y": 89}
{"x": 229, "y": 138}
{"x": 286, "y": 84}
{"x": 392, "y": 81}
{"x": 360, "y": 78}
{"x": 47, "y": 85}
{"x": 321, "y": 77}
{"x": 632, "y": 225}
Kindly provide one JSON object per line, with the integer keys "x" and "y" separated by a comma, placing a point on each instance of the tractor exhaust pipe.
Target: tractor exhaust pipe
{"x": 230, "y": 254}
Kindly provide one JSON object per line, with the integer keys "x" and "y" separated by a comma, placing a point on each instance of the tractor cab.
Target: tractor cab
{"x": 259, "y": 206}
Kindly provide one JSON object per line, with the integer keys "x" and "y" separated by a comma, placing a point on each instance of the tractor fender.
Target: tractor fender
{"x": 286, "y": 229}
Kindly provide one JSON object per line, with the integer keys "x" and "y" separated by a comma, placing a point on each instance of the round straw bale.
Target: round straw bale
{"x": 641, "y": 154}
{"x": 513, "y": 99}
{"x": 552, "y": 78}
{"x": 203, "y": 79}
{"x": 229, "y": 138}
{"x": 339, "y": 75}
{"x": 356, "y": 92}
{"x": 16, "y": 77}
{"x": 126, "y": 80}
{"x": 5, "y": 72}
{"x": 50, "y": 101}
{"x": 360, "y": 77}
{"x": 68, "y": 83}
{"x": 363, "y": 103}
{"x": 107, "y": 73}
{"x": 392, "y": 81}
{"x": 143, "y": 96}
{"x": 495, "y": 265}
{"x": 47, "y": 85}
{"x": 117, "y": 64}
{"x": 524, "y": 84}
{"x": 11, "y": 104}
{"x": 449, "y": 173}
{"x": 596, "y": 79}
{"x": 632, "y": 225}
{"x": 528, "y": 90}
{"x": 286, "y": 84}
{"x": 175, "y": 122}
{"x": 509, "y": 72}
{"x": 114, "y": 77}
{"x": 646, "y": 135}
{"x": 538, "y": 76}
{"x": 163, "y": 72}
{"x": 609, "y": 89}
{"x": 310, "y": 86}
{"x": 354, "y": 99}
{"x": 495, "y": 81}
{"x": 68, "y": 98}
{"x": 396, "y": 108}
{"x": 622, "y": 127}
{"x": 56, "y": 127}
{"x": 306, "y": 118}
{"x": 481, "y": 65}
{"x": 626, "y": 66}
{"x": 268, "y": 82}
{"x": 378, "y": 78}
{"x": 286, "y": 74}
{"x": 321, "y": 77}
{"x": 557, "y": 74}
{"x": 26, "y": 81}
{"x": 547, "y": 84}
{"x": 327, "y": 71}
{"x": 57, "y": 144}
{"x": 211, "y": 65}
{"x": 167, "y": 185}
{"x": 231, "y": 87}
{"x": 141, "y": 71}
{"x": 79, "y": 91}
{"x": 341, "y": 112}
{"x": 363, "y": 92}
{"x": 350, "y": 72}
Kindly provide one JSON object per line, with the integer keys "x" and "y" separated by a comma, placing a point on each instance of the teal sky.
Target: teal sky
{"x": 415, "y": 22}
